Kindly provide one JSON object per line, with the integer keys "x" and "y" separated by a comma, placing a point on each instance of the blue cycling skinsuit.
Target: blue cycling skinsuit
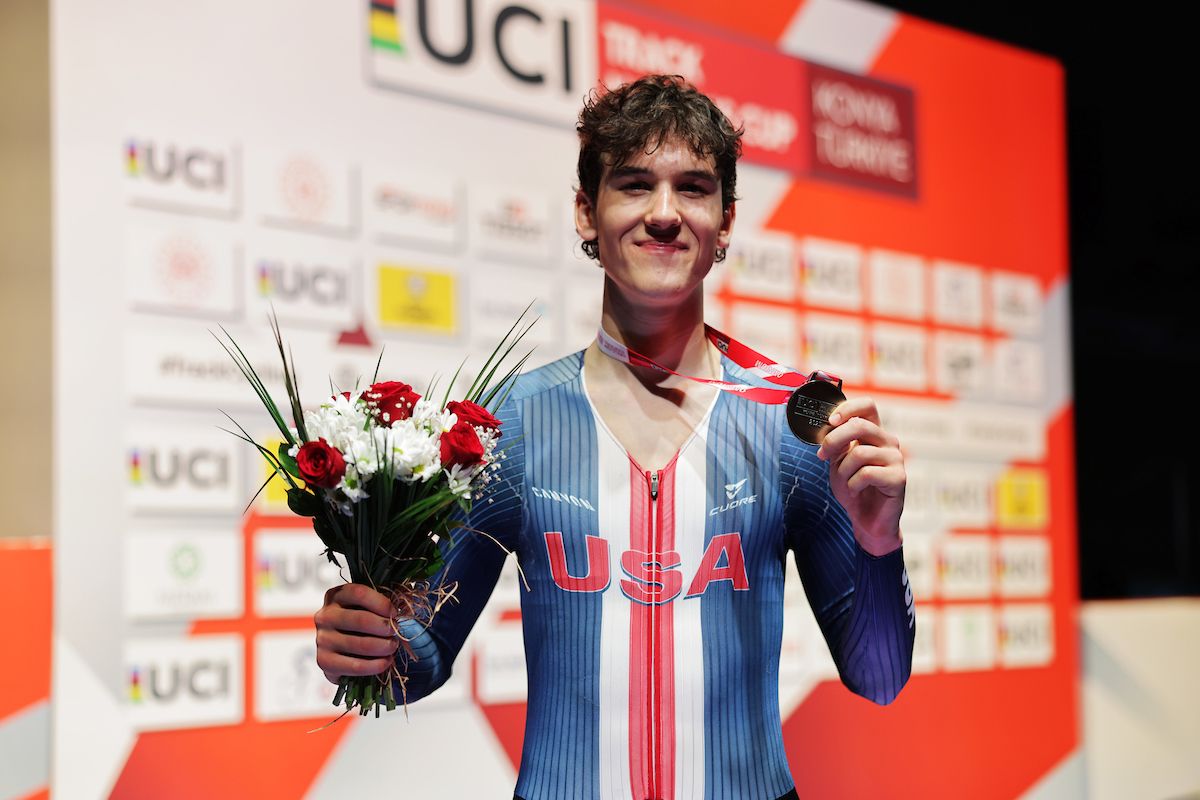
{"x": 654, "y": 614}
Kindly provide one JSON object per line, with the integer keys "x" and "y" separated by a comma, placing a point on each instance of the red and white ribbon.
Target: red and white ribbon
{"x": 746, "y": 357}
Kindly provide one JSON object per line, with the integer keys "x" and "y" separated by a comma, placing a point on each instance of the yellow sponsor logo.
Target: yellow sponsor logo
{"x": 1021, "y": 499}
{"x": 417, "y": 299}
{"x": 274, "y": 496}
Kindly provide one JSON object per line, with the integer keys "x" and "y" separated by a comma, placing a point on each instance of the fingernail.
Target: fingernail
{"x": 821, "y": 453}
{"x": 835, "y": 418}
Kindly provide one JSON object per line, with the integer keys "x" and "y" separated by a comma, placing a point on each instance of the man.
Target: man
{"x": 651, "y": 513}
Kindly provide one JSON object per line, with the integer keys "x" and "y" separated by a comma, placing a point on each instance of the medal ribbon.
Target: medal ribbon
{"x": 746, "y": 357}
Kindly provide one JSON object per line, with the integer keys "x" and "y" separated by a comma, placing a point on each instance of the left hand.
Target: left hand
{"x": 866, "y": 473}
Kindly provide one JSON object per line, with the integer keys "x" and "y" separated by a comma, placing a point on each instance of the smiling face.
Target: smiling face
{"x": 658, "y": 222}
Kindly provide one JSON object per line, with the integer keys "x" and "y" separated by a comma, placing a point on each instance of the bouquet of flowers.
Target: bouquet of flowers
{"x": 385, "y": 474}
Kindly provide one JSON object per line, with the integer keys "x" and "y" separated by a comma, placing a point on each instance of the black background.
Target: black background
{"x": 1133, "y": 150}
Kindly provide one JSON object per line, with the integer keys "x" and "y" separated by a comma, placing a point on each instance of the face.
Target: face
{"x": 658, "y": 221}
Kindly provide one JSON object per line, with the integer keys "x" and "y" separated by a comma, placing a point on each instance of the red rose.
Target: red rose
{"x": 472, "y": 414}
{"x": 391, "y": 401}
{"x": 461, "y": 445}
{"x": 320, "y": 464}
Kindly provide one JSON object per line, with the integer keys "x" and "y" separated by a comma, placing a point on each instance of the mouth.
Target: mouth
{"x": 654, "y": 246}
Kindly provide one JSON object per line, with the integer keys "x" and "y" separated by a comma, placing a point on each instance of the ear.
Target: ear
{"x": 725, "y": 234}
{"x": 585, "y": 217}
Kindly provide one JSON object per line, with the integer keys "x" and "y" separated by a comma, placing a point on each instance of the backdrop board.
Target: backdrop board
{"x": 399, "y": 176}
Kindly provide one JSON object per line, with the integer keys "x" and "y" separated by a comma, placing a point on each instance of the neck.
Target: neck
{"x": 672, "y": 335}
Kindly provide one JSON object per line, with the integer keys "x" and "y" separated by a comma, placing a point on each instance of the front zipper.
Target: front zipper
{"x": 655, "y": 546}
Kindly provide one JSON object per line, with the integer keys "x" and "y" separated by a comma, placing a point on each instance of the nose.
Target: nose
{"x": 662, "y": 215}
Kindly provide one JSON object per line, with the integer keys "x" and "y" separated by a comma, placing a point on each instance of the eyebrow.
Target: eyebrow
{"x": 629, "y": 172}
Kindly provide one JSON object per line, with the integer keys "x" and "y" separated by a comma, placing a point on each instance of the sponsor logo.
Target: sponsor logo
{"x": 957, "y": 294}
{"x": 183, "y": 575}
{"x": 197, "y": 168}
{"x": 511, "y": 223}
{"x": 413, "y": 207}
{"x": 1023, "y": 566}
{"x": 171, "y": 470}
{"x": 291, "y": 573}
{"x": 862, "y": 131}
{"x": 732, "y": 492}
{"x": 965, "y": 567}
{"x": 1026, "y": 634}
{"x": 898, "y": 356}
{"x": 1019, "y": 369}
{"x": 321, "y": 285}
{"x": 302, "y": 190}
{"x": 836, "y": 344}
{"x": 179, "y": 683}
{"x": 968, "y": 637}
{"x": 763, "y": 266}
{"x": 562, "y": 497}
{"x": 305, "y": 189}
{"x": 414, "y": 299}
{"x": 897, "y": 284}
{"x": 1022, "y": 499}
{"x": 652, "y": 578}
{"x": 1016, "y": 303}
{"x": 959, "y": 363}
{"x": 288, "y": 684}
{"x": 526, "y": 59}
{"x": 832, "y": 274}
{"x": 181, "y": 176}
{"x": 179, "y": 271}
{"x": 962, "y": 495}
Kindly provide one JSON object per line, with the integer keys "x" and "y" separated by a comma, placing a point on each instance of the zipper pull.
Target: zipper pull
{"x": 654, "y": 485}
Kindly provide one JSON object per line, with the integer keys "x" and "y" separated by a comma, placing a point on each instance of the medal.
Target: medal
{"x": 810, "y": 400}
{"x": 810, "y": 405}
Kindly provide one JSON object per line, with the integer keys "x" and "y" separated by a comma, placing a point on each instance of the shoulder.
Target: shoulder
{"x": 547, "y": 377}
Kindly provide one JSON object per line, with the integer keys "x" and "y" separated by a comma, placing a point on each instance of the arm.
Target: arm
{"x": 848, "y": 551}
{"x": 354, "y": 626}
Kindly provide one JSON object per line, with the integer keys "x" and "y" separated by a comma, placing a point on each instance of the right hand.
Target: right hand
{"x": 355, "y": 632}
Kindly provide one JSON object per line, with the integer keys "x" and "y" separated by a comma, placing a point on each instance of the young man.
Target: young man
{"x": 651, "y": 514}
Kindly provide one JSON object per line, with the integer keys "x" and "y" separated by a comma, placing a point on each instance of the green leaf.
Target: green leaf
{"x": 303, "y": 503}
{"x": 286, "y": 461}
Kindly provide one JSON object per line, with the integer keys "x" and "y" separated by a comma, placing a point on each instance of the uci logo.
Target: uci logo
{"x": 193, "y": 167}
{"x": 169, "y": 467}
{"x": 289, "y": 573}
{"x": 203, "y": 679}
{"x": 531, "y": 46}
{"x": 322, "y": 285}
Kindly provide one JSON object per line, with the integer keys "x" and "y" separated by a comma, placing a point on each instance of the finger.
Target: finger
{"x": 355, "y": 645}
{"x": 351, "y": 620}
{"x": 864, "y": 455}
{"x": 856, "y": 429}
{"x": 887, "y": 480}
{"x": 355, "y": 595}
{"x": 335, "y": 665}
{"x": 862, "y": 407}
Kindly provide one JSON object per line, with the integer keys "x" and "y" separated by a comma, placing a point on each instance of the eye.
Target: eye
{"x": 695, "y": 189}
{"x": 635, "y": 186}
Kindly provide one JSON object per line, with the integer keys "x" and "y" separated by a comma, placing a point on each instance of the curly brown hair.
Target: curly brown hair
{"x": 614, "y": 124}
